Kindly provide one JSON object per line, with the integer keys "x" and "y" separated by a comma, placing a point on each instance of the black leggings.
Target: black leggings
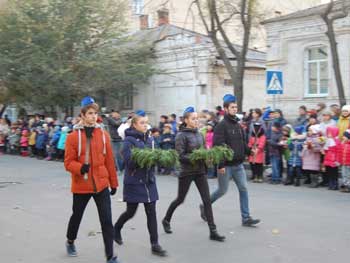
{"x": 332, "y": 174}
{"x": 257, "y": 170}
{"x": 150, "y": 209}
{"x": 103, "y": 203}
{"x": 203, "y": 188}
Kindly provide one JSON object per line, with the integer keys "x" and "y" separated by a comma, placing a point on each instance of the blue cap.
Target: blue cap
{"x": 189, "y": 110}
{"x": 229, "y": 98}
{"x": 141, "y": 113}
{"x": 87, "y": 101}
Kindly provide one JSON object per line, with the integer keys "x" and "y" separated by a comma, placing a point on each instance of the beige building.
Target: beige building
{"x": 184, "y": 16}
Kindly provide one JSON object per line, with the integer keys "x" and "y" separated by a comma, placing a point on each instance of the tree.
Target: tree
{"x": 53, "y": 52}
{"x": 214, "y": 18}
{"x": 329, "y": 16}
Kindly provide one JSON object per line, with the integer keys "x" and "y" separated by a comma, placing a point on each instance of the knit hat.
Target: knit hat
{"x": 211, "y": 123}
{"x": 346, "y": 108}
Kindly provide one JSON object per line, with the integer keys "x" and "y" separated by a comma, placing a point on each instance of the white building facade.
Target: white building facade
{"x": 298, "y": 46}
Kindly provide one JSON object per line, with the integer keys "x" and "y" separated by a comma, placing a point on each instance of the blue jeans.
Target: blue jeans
{"x": 118, "y": 159}
{"x": 237, "y": 172}
{"x": 276, "y": 168}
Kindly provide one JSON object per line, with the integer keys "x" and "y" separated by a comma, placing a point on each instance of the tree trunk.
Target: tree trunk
{"x": 3, "y": 110}
{"x": 335, "y": 59}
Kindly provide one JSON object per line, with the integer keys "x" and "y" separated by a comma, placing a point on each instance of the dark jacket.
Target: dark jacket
{"x": 229, "y": 132}
{"x": 275, "y": 148}
{"x": 113, "y": 125}
{"x": 139, "y": 183}
{"x": 167, "y": 141}
{"x": 188, "y": 140}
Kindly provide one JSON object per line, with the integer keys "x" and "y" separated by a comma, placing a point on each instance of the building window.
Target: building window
{"x": 137, "y": 7}
{"x": 317, "y": 71}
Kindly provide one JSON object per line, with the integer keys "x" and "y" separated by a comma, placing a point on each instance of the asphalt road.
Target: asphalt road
{"x": 299, "y": 224}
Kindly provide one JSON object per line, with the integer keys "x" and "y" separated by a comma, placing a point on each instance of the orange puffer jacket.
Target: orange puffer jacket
{"x": 102, "y": 172}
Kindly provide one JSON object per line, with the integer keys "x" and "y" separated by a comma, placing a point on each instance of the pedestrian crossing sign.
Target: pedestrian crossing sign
{"x": 274, "y": 82}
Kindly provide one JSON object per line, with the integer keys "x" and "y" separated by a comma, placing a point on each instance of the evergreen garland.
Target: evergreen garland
{"x": 213, "y": 156}
{"x": 147, "y": 158}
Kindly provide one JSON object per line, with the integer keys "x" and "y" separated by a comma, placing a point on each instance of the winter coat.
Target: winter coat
{"x": 41, "y": 140}
{"x": 24, "y": 141}
{"x": 61, "y": 145}
{"x": 209, "y": 139}
{"x": 275, "y": 148}
{"x": 167, "y": 141}
{"x": 55, "y": 138}
{"x": 259, "y": 143}
{"x": 32, "y": 138}
{"x": 113, "y": 126}
{"x": 229, "y": 132}
{"x": 14, "y": 139}
{"x": 311, "y": 154}
{"x": 343, "y": 125}
{"x": 332, "y": 151}
{"x": 139, "y": 183}
{"x": 102, "y": 173}
{"x": 344, "y": 154}
{"x": 188, "y": 140}
{"x": 296, "y": 148}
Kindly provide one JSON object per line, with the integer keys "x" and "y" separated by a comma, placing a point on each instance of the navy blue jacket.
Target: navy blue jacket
{"x": 139, "y": 183}
{"x": 167, "y": 141}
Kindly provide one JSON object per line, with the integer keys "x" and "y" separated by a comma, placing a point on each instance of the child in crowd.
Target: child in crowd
{"x": 275, "y": 148}
{"x": 311, "y": 155}
{"x": 32, "y": 142}
{"x": 344, "y": 158}
{"x": 257, "y": 144}
{"x": 13, "y": 141}
{"x": 53, "y": 152}
{"x": 331, "y": 158}
{"x": 167, "y": 142}
{"x": 2, "y": 143}
{"x": 295, "y": 146}
{"x": 61, "y": 145}
{"x": 24, "y": 143}
{"x": 344, "y": 120}
{"x": 209, "y": 142}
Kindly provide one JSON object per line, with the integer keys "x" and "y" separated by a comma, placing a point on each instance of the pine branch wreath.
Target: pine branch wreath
{"x": 147, "y": 158}
{"x": 213, "y": 156}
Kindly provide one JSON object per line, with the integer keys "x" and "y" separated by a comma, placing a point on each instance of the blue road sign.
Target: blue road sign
{"x": 274, "y": 82}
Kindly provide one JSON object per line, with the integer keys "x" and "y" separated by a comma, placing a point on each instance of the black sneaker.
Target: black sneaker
{"x": 118, "y": 236}
{"x": 166, "y": 226}
{"x": 203, "y": 216}
{"x": 158, "y": 251}
{"x": 214, "y": 235}
{"x": 71, "y": 250}
{"x": 113, "y": 260}
{"x": 249, "y": 222}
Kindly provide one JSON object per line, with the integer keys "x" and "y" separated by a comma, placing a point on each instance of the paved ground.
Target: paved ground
{"x": 299, "y": 224}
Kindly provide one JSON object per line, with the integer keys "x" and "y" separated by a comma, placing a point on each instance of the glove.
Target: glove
{"x": 113, "y": 191}
{"x": 85, "y": 169}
